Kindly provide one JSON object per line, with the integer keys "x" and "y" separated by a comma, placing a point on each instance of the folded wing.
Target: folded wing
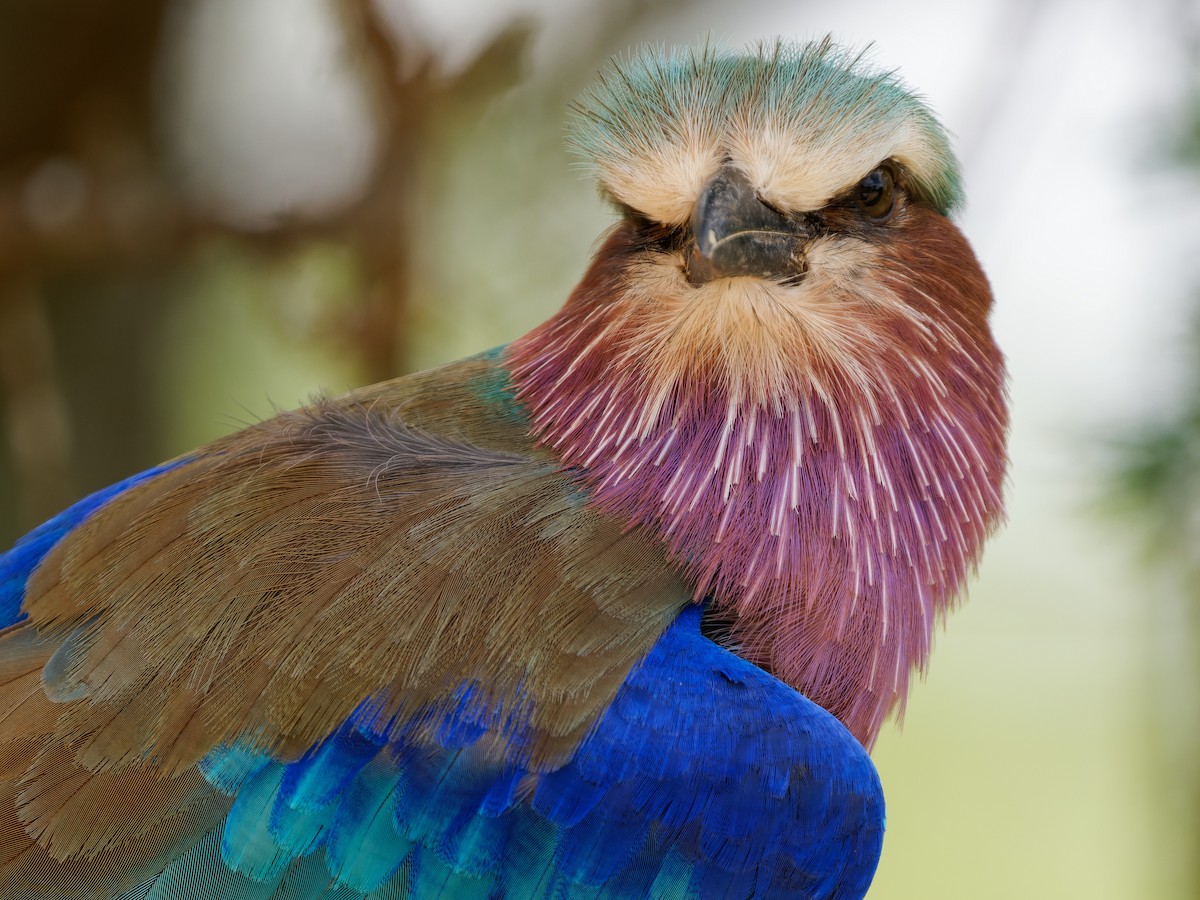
{"x": 330, "y": 563}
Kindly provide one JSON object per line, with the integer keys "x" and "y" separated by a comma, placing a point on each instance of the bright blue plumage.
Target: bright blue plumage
{"x": 747, "y": 789}
{"x": 706, "y": 778}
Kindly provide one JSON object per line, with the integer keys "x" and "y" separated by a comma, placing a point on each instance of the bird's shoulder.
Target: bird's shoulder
{"x": 472, "y": 400}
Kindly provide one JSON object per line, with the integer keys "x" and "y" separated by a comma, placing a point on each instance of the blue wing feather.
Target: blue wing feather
{"x": 365, "y": 848}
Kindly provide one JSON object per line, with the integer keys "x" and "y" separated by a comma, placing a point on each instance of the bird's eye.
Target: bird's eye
{"x": 876, "y": 195}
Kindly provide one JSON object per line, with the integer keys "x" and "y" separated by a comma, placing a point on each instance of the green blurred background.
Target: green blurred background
{"x": 213, "y": 208}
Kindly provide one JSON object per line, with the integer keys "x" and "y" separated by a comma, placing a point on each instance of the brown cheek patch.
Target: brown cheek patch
{"x": 928, "y": 243}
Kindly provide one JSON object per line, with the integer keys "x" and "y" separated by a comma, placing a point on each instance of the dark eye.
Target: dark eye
{"x": 876, "y": 195}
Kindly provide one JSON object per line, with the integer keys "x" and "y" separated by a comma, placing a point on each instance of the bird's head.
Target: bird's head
{"x": 780, "y": 358}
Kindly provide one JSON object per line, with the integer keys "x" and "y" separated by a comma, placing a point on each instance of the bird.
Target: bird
{"x": 615, "y": 610}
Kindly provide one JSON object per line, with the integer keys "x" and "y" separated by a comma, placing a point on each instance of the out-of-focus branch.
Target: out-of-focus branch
{"x": 379, "y": 223}
{"x": 409, "y": 95}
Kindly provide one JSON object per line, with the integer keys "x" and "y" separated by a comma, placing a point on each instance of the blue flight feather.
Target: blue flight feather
{"x": 364, "y": 848}
{"x": 320, "y": 776}
{"x": 298, "y": 831}
{"x": 247, "y": 844}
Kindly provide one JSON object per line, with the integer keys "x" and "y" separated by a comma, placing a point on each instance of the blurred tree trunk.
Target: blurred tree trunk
{"x": 82, "y": 208}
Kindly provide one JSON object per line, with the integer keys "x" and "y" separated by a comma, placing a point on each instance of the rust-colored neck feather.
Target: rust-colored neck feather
{"x": 824, "y": 460}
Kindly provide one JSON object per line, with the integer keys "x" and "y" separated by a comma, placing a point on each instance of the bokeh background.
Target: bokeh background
{"x": 213, "y": 208}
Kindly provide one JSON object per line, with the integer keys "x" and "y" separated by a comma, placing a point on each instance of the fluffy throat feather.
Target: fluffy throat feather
{"x": 825, "y": 465}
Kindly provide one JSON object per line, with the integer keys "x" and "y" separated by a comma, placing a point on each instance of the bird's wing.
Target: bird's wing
{"x": 272, "y": 583}
{"x": 330, "y": 564}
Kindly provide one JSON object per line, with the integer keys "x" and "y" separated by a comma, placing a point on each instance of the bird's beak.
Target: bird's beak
{"x": 737, "y": 234}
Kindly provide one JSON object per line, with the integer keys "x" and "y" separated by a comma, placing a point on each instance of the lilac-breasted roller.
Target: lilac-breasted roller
{"x": 612, "y": 611}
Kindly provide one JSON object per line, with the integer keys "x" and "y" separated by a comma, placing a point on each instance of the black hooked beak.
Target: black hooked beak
{"x": 737, "y": 234}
